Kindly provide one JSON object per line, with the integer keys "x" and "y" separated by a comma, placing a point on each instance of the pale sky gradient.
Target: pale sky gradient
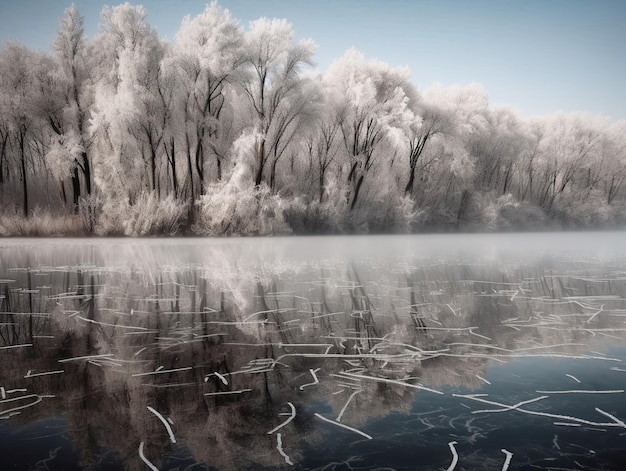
{"x": 538, "y": 56}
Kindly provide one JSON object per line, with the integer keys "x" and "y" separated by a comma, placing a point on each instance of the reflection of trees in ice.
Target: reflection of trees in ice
{"x": 146, "y": 343}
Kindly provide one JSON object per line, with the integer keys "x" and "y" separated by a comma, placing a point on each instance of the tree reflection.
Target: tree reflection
{"x": 228, "y": 351}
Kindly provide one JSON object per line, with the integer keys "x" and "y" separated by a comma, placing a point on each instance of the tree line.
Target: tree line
{"x": 229, "y": 131}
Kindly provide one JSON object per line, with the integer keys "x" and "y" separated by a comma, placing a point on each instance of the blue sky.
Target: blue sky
{"x": 538, "y": 56}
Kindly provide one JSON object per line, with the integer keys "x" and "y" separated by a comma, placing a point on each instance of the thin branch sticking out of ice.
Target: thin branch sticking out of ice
{"x": 471, "y": 331}
{"x": 616, "y": 422}
{"x": 186, "y": 368}
{"x": 610, "y": 416}
{"x": 315, "y": 380}
{"x": 13, "y": 399}
{"x": 386, "y": 380}
{"x": 369, "y": 437}
{"x": 222, "y": 393}
{"x": 279, "y": 447}
{"x": 221, "y": 377}
{"x": 505, "y": 408}
{"x": 9, "y": 411}
{"x": 495, "y": 356}
{"x": 165, "y": 422}
{"x": 483, "y": 379}
{"x": 289, "y": 419}
{"x": 269, "y": 311}
{"x": 343, "y": 409}
{"x": 146, "y": 460}
{"x": 30, "y": 374}
{"x": 455, "y": 456}
{"x": 599, "y": 311}
{"x": 507, "y": 461}
{"x": 168, "y": 385}
{"x": 584, "y": 391}
{"x": 86, "y": 357}
{"x": 121, "y": 326}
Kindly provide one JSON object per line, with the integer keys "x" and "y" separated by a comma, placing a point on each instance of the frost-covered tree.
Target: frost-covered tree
{"x": 277, "y": 94}
{"x": 208, "y": 51}
{"x": 129, "y": 123}
{"x": 371, "y": 104}
{"x": 614, "y": 162}
{"x": 496, "y": 151}
{"x": 4, "y": 151}
{"x": 429, "y": 122}
{"x": 447, "y": 188}
{"x": 69, "y": 153}
{"x": 569, "y": 145}
{"x": 127, "y": 53}
{"x": 322, "y": 144}
{"x": 23, "y": 90}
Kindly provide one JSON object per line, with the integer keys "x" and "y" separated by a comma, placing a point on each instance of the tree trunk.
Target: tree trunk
{"x": 189, "y": 165}
{"x": 260, "y": 156}
{"x": 409, "y": 186}
{"x": 273, "y": 175}
{"x": 465, "y": 200}
{"x": 356, "y": 192}
{"x": 75, "y": 190}
{"x": 3, "y": 149}
{"x": 153, "y": 169}
{"x": 21, "y": 139}
{"x": 200, "y": 164}
{"x": 63, "y": 194}
{"x": 171, "y": 158}
{"x": 87, "y": 172}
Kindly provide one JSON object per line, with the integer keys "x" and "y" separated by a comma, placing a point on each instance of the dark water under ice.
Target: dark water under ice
{"x": 340, "y": 353}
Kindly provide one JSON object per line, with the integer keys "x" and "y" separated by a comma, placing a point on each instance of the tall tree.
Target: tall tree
{"x": 208, "y": 51}
{"x": 322, "y": 146}
{"x": 569, "y": 145}
{"x": 274, "y": 88}
{"x": 70, "y": 152}
{"x": 431, "y": 121}
{"x": 371, "y": 106}
{"x": 20, "y": 95}
{"x": 128, "y": 114}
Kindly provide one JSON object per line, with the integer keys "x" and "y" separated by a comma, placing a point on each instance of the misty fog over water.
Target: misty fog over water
{"x": 499, "y": 351}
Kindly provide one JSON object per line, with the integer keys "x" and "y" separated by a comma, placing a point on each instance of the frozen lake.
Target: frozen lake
{"x": 336, "y": 353}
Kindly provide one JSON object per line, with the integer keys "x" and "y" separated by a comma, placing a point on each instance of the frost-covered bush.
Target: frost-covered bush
{"x": 313, "y": 217}
{"x": 236, "y": 208}
{"x": 146, "y": 216}
{"x": 88, "y": 209}
{"x": 584, "y": 211}
{"x": 516, "y": 216}
{"x": 391, "y": 214}
{"x": 40, "y": 224}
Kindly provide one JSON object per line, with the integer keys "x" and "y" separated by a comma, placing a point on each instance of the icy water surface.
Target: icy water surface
{"x": 353, "y": 353}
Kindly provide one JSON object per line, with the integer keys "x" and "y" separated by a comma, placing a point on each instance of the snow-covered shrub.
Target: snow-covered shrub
{"x": 40, "y": 224}
{"x": 148, "y": 215}
{"x": 313, "y": 217}
{"x": 590, "y": 211}
{"x": 236, "y": 208}
{"x": 392, "y": 214}
{"x": 520, "y": 216}
{"x": 88, "y": 209}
